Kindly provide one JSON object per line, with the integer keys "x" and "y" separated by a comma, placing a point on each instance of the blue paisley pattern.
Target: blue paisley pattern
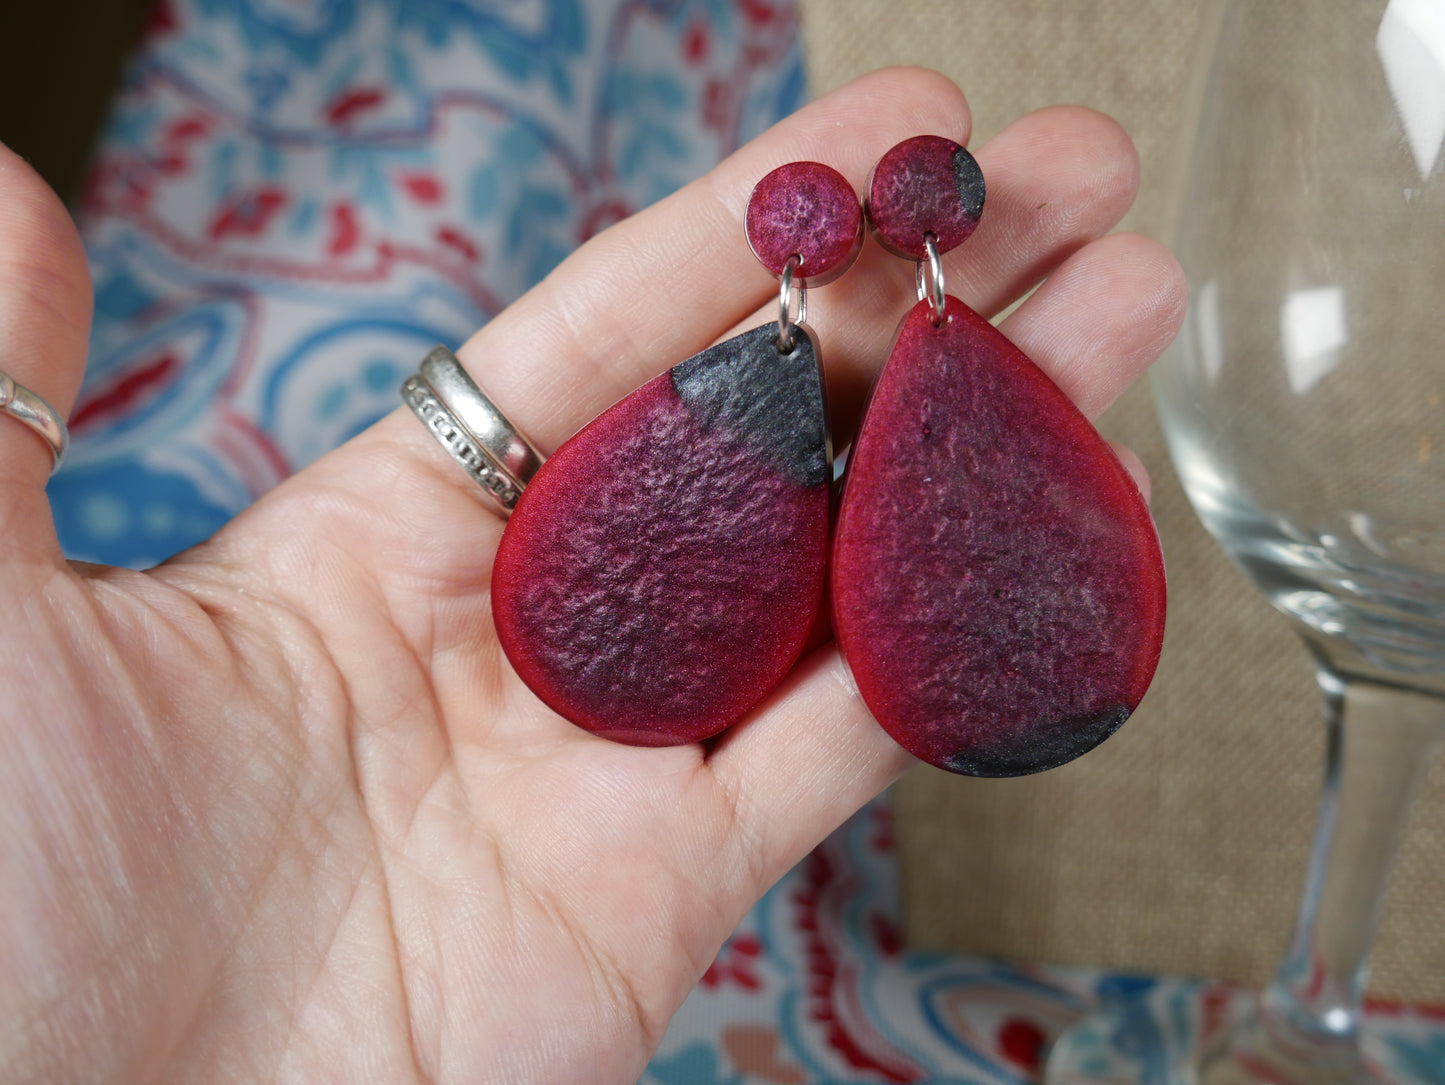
{"x": 294, "y": 200}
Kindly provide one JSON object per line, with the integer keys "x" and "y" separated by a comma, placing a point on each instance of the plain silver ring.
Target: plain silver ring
{"x": 23, "y": 405}
{"x": 471, "y": 428}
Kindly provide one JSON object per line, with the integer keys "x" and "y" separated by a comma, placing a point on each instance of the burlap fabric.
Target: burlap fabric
{"x": 1178, "y": 846}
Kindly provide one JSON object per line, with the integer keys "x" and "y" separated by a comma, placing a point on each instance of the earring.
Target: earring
{"x": 997, "y": 584}
{"x": 662, "y": 571}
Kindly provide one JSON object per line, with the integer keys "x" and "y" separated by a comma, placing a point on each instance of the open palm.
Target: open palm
{"x": 280, "y": 809}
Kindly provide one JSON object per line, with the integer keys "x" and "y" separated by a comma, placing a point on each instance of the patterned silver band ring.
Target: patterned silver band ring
{"x": 23, "y": 405}
{"x": 471, "y": 428}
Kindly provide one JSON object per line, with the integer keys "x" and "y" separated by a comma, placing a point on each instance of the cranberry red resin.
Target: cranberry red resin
{"x": 924, "y": 185}
{"x": 808, "y": 210}
{"x": 662, "y": 571}
{"x": 998, "y": 588}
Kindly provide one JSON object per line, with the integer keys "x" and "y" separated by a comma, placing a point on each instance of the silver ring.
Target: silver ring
{"x": 785, "y": 303}
{"x": 470, "y": 426}
{"x": 23, "y": 405}
{"x": 931, "y": 285}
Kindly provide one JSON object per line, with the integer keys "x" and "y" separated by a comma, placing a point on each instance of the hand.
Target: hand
{"x": 280, "y": 809}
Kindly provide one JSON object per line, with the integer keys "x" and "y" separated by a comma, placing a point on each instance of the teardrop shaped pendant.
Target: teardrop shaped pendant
{"x": 662, "y": 570}
{"x": 997, "y": 583}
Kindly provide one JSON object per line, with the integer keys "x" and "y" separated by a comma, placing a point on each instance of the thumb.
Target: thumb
{"x": 45, "y": 302}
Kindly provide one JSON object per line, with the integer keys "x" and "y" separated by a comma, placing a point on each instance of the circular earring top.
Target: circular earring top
{"x": 807, "y": 210}
{"x": 924, "y": 185}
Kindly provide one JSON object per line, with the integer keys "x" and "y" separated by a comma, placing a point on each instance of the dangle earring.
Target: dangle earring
{"x": 662, "y": 571}
{"x": 997, "y": 584}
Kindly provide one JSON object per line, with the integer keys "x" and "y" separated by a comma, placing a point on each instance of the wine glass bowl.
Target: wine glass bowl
{"x": 1304, "y": 402}
{"x": 1304, "y": 406}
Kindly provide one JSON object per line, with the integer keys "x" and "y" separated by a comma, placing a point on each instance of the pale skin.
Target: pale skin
{"x": 280, "y": 809}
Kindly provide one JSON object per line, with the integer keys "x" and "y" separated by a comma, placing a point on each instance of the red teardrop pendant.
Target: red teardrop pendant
{"x": 998, "y": 588}
{"x": 662, "y": 571}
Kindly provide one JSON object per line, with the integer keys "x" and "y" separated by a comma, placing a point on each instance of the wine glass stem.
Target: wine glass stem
{"x": 1381, "y": 740}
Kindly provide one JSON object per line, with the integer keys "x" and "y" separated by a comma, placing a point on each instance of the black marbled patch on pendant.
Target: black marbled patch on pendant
{"x": 1046, "y": 746}
{"x": 772, "y": 400}
{"x": 968, "y": 180}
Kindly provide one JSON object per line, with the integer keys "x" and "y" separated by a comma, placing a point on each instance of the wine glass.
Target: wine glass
{"x": 1304, "y": 404}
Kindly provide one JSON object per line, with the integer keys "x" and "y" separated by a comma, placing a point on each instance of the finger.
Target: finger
{"x": 1102, "y": 318}
{"x": 799, "y": 768}
{"x": 44, "y": 326}
{"x": 1058, "y": 178}
{"x": 1135, "y": 466}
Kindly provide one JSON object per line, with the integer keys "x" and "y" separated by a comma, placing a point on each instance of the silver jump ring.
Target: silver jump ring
{"x": 785, "y": 304}
{"x": 471, "y": 428}
{"x": 930, "y": 285}
{"x": 23, "y": 405}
